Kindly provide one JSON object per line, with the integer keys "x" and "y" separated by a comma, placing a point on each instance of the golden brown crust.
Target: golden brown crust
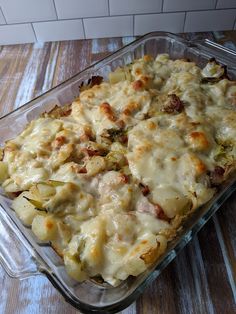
{"x": 111, "y": 178}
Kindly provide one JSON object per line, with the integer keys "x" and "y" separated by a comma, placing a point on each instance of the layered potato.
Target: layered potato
{"x": 109, "y": 179}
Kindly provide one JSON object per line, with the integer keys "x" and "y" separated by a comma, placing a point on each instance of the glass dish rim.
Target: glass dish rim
{"x": 181, "y": 242}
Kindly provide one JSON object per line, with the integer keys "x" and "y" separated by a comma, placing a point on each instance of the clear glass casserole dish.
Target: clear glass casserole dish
{"x": 28, "y": 256}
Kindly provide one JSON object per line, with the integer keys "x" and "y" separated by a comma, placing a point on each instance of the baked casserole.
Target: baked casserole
{"x": 109, "y": 179}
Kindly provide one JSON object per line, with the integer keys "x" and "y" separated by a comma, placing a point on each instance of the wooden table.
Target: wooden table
{"x": 201, "y": 279}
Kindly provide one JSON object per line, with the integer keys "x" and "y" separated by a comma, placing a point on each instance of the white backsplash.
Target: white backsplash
{"x": 24, "y": 21}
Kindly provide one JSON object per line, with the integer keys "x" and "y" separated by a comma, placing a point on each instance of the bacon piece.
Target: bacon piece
{"x": 107, "y": 110}
{"x": 160, "y": 213}
{"x": 59, "y": 141}
{"x": 145, "y": 206}
{"x": 84, "y": 138}
{"x": 144, "y": 189}
{"x": 83, "y": 170}
{"x": 123, "y": 139}
{"x": 217, "y": 176}
{"x": 91, "y": 152}
{"x": 124, "y": 178}
{"x": 120, "y": 124}
{"x": 138, "y": 85}
{"x": 174, "y": 105}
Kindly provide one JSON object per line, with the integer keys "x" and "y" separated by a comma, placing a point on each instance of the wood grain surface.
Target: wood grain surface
{"x": 201, "y": 279}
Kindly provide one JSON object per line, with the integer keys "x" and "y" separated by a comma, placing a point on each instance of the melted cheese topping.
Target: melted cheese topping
{"x": 109, "y": 181}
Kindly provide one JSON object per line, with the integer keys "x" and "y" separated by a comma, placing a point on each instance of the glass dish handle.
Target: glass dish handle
{"x": 15, "y": 257}
{"x": 217, "y": 50}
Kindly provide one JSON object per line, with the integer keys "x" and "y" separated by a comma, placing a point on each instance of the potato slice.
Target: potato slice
{"x": 62, "y": 239}
{"x": 171, "y": 201}
{"x": 10, "y": 186}
{"x": 1, "y": 153}
{"x": 43, "y": 190}
{"x": 24, "y": 209}
{"x": 95, "y": 165}
{"x": 3, "y": 171}
{"x": 133, "y": 266}
{"x": 117, "y": 76}
{"x": 94, "y": 235}
{"x": 73, "y": 268}
{"x": 44, "y": 227}
{"x": 120, "y": 74}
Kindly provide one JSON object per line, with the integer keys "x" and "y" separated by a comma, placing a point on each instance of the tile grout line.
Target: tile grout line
{"x": 55, "y": 8}
{"x": 108, "y": 5}
{"x": 133, "y": 24}
{"x": 174, "y": 11}
{"x": 225, "y": 255}
{"x": 36, "y": 38}
{"x": 162, "y": 6}
{"x": 83, "y": 28}
{"x": 119, "y": 15}
{"x": 216, "y": 4}
{"x": 3, "y": 15}
{"x": 185, "y": 16}
{"x": 234, "y": 23}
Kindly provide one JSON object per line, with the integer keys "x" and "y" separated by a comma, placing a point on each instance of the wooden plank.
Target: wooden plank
{"x": 181, "y": 288}
{"x": 47, "y": 68}
{"x": 225, "y": 222}
{"x": 38, "y": 73}
{"x": 4, "y": 284}
{"x": 73, "y": 57}
{"x": 33, "y": 295}
{"x": 215, "y": 269}
{"x": 13, "y": 60}
{"x": 159, "y": 297}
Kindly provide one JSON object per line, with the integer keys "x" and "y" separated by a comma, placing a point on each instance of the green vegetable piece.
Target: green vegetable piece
{"x": 55, "y": 183}
{"x": 36, "y": 203}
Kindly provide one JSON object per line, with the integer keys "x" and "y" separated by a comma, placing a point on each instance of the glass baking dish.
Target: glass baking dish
{"x": 30, "y": 257}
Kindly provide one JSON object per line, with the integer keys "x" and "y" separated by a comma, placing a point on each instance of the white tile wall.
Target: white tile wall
{"x": 53, "y": 20}
{"x": 119, "y": 7}
{"x": 20, "y": 11}
{"x": 185, "y": 5}
{"x": 16, "y": 34}
{"x": 2, "y": 18}
{"x": 171, "y": 22}
{"x": 200, "y": 21}
{"x": 224, "y": 4}
{"x": 81, "y": 8}
{"x": 59, "y": 30}
{"x": 108, "y": 26}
